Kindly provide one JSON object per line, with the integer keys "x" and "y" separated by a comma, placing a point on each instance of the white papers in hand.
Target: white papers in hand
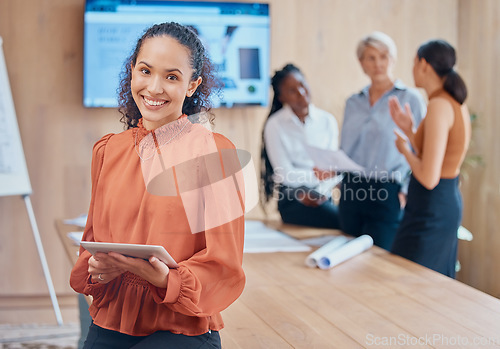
{"x": 334, "y": 160}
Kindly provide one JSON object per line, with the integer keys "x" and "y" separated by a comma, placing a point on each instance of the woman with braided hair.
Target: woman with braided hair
{"x": 304, "y": 192}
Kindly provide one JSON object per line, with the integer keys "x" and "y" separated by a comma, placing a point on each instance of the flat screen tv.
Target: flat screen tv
{"x": 236, "y": 35}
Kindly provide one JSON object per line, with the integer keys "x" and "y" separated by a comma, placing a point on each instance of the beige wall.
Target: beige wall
{"x": 43, "y": 48}
{"x": 479, "y": 44}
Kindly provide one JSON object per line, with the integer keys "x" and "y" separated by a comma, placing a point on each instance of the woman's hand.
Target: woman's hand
{"x": 402, "y": 118}
{"x": 154, "y": 271}
{"x": 307, "y": 200}
{"x": 102, "y": 269}
{"x": 322, "y": 174}
{"x": 401, "y": 143}
{"x": 402, "y": 199}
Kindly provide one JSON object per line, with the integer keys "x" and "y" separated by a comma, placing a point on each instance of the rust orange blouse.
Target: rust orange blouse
{"x": 458, "y": 137}
{"x": 210, "y": 275}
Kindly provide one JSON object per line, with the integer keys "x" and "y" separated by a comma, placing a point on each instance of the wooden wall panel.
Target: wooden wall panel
{"x": 43, "y": 42}
{"x": 479, "y": 49}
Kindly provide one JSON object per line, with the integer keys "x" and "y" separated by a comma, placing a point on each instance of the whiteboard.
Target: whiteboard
{"x": 14, "y": 178}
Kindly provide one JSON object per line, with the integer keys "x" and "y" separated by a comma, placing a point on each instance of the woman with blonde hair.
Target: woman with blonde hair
{"x": 371, "y": 199}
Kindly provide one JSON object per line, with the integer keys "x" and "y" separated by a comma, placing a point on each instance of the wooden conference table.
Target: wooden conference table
{"x": 374, "y": 300}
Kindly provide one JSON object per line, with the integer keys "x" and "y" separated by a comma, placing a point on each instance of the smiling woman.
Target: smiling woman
{"x": 161, "y": 80}
{"x": 164, "y": 181}
{"x": 165, "y": 69}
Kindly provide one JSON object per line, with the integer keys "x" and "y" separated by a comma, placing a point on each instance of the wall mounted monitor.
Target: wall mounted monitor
{"x": 237, "y": 36}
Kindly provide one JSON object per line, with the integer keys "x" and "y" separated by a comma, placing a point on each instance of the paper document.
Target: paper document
{"x": 335, "y": 160}
{"x": 260, "y": 238}
{"x": 76, "y": 237}
{"x": 338, "y": 250}
{"x": 80, "y": 221}
{"x": 313, "y": 259}
{"x": 319, "y": 241}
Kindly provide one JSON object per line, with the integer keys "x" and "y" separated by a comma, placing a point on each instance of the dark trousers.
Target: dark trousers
{"x": 100, "y": 338}
{"x": 370, "y": 207}
{"x": 85, "y": 319}
{"x": 292, "y": 211}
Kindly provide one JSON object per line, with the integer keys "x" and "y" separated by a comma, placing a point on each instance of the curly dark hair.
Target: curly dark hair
{"x": 266, "y": 170}
{"x": 199, "y": 60}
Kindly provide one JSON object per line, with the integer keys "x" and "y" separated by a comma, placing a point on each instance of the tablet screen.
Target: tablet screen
{"x": 131, "y": 250}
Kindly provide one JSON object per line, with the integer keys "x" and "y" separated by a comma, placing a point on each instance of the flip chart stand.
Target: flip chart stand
{"x": 43, "y": 260}
{"x": 14, "y": 178}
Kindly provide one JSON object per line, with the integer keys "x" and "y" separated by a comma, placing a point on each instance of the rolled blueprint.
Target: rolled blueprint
{"x": 346, "y": 251}
{"x": 325, "y": 250}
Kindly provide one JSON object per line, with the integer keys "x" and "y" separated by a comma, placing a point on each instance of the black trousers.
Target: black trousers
{"x": 292, "y": 211}
{"x": 370, "y": 207}
{"x": 100, "y": 338}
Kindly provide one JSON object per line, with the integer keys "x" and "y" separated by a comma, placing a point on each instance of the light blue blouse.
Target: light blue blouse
{"x": 368, "y": 137}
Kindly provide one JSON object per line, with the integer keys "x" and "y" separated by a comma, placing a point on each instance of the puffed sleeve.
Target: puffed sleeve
{"x": 80, "y": 278}
{"x": 213, "y": 278}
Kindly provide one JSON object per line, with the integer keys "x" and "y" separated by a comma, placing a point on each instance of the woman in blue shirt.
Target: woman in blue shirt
{"x": 371, "y": 200}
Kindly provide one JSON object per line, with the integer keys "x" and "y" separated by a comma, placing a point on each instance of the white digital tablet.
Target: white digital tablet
{"x": 131, "y": 250}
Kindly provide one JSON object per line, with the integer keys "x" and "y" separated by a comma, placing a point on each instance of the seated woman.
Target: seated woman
{"x": 304, "y": 192}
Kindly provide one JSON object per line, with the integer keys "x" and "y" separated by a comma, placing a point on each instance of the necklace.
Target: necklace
{"x": 136, "y": 146}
